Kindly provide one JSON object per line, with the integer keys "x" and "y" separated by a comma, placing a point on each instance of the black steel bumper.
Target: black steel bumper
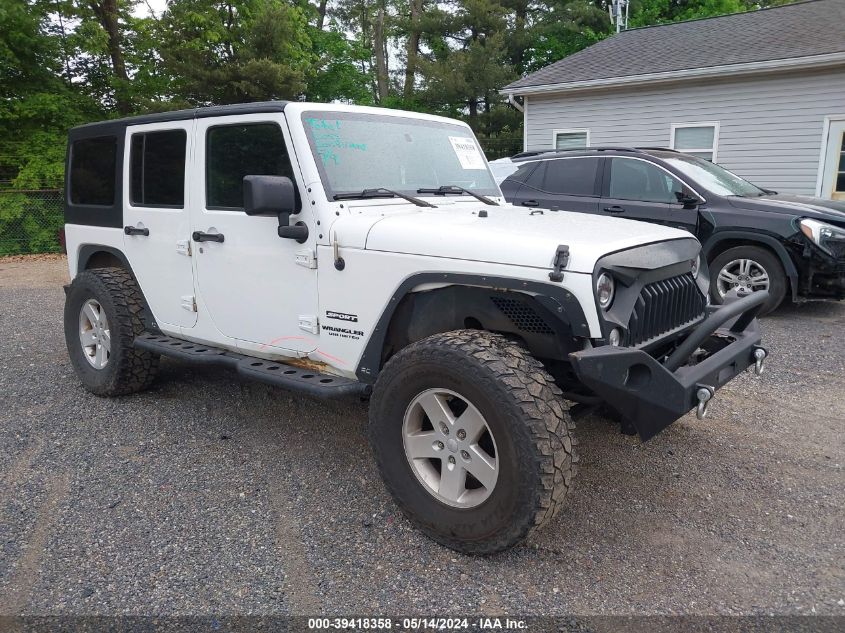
{"x": 651, "y": 394}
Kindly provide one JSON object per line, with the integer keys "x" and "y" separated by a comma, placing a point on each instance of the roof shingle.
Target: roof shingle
{"x": 816, "y": 27}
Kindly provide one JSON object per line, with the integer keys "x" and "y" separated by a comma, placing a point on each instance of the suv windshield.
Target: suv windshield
{"x": 357, "y": 151}
{"x": 712, "y": 177}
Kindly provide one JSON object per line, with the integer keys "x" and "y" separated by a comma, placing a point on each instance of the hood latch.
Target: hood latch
{"x": 559, "y": 263}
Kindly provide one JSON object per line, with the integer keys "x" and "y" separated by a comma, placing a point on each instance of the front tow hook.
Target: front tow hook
{"x": 705, "y": 394}
{"x": 760, "y": 356}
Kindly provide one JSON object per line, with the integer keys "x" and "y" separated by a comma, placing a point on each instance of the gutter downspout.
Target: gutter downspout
{"x": 516, "y": 104}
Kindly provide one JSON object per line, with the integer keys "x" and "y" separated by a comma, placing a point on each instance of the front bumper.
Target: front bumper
{"x": 653, "y": 394}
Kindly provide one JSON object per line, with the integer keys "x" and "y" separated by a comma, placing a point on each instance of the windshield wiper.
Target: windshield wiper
{"x": 442, "y": 191}
{"x": 381, "y": 192}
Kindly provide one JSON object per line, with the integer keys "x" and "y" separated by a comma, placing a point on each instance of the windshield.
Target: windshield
{"x": 356, "y": 151}
{"x": 712, "y": 177}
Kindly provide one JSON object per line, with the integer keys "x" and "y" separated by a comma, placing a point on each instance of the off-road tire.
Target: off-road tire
{"x": 536, "y": 452}
{"x": 778, "y": 282}
{"x": 128, "y": 369}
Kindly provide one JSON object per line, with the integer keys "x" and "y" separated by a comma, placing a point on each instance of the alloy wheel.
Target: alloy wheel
{"x": 450, "y": 448}
{"x": 94, "y": 334}
{"x": 746, "y": 275}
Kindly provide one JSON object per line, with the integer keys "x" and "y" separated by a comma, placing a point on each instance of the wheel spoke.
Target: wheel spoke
{"x": 421, "y": 445}
{"x": 471, "y": 422}
{"x": 101, "y": 356}
{"x": 452, "y": 481}
{"x": 87, "y": 338}
{"x": 91, "y": 314}
{"x": 744, "y": 266}
{"x": 105, "y": 339}
{"x": 482, "y": 466}
{"x": 730, "y": 278}
{"x": 436, "y": 408}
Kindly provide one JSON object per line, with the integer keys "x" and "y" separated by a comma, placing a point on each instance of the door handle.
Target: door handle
{"x": 530, "y": 203}
{"x": 199, "y": 236}
{"x": 615, "y": 209}
{"x": 134, "y": 230}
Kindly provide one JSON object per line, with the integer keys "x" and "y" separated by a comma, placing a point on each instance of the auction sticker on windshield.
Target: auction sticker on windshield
{"x": 467, "y": 152}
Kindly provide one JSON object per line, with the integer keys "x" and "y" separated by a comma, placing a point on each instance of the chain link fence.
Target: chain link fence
{"x": 30, "y": 221}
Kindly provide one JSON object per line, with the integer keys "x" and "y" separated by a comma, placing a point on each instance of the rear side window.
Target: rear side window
{"x": 235, "y": 151}
{"x": 92, "y": 171}
{"x": 157, "y": 162}
{"x": 639, "y": 180}
{"x": 521, "y": 174}
{"x": 571, "y": 176}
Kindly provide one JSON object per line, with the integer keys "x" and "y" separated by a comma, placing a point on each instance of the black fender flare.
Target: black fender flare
{"x": 87, "y": 251}
{"x": 558, "y": 300}
{"x": 761, "y": 238}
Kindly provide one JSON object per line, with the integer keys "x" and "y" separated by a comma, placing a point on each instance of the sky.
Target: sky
{"x": 142, "y": 9}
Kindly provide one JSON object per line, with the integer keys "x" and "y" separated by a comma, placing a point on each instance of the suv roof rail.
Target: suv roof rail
{"x": 662, "y": 149}
{"x": 597, "y": 148}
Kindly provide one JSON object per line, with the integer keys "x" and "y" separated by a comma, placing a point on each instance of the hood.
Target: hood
{"x": 511, "y": 235}
{"x": 789, "y": 204}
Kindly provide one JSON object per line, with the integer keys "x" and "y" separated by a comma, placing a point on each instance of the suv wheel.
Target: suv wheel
{"x": 472, "y": 439}
{"x": 102, "y": 317}
{"x": 749, "y": 269}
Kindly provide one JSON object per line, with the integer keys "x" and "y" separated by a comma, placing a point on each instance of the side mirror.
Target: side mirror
{"x": 689, "y": 200}
{"x": 269, "y": 195}
{"x": 274, "y": 195}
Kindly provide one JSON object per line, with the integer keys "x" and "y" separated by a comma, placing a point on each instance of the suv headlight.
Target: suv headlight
{"x": 820, "y": 233}
{"x": 605, "y": 287}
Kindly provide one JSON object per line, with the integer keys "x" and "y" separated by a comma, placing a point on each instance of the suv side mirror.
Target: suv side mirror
{"x": 690, "y": 201}
{"x": 266, "y": 195}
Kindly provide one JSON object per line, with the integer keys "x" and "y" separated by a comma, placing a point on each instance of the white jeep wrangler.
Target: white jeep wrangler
{"x": 350, "y": 251}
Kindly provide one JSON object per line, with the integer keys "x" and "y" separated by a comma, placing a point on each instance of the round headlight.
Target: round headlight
{"x": 604, "y": 290}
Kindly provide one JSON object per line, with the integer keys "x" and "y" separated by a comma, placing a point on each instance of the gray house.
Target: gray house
{"x": 761, "y": 93}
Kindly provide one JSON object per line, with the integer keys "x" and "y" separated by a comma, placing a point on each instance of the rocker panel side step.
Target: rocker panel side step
{"x": 267, "y": 371}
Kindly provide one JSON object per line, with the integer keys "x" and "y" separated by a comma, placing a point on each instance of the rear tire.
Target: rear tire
{"x": 488, "y": 377}
{"x": 728, "y": 270}
{"x": 105, "y": 358}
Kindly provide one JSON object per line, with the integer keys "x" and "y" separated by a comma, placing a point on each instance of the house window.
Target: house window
{"x": 571, "y": 139}
{"x": 698, "y": 139}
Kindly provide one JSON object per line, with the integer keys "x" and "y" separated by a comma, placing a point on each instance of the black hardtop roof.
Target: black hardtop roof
{"x": 115, "y": 125}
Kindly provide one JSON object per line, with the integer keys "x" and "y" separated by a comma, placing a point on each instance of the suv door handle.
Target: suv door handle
{"x": 199, "y": 236}
{"x": 133, "y": 230}
{"x": 530, "y": 203}
{"x": 615, "y": 209}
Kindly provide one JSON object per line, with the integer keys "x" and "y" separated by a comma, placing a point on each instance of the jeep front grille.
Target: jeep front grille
{"x": 664, "y": 306}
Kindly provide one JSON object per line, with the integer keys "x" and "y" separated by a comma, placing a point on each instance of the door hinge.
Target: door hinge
{"x": 306, "y": 258}
{"x": 183, "y": 247}
{"x": 309, "y": 323}
{"x": 189, "y": 303}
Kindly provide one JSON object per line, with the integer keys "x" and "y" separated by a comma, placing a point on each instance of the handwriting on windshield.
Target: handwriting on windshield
{"x": 328, "y": 140}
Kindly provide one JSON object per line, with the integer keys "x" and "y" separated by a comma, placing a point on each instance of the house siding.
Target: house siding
{"x": 770, "y": 126}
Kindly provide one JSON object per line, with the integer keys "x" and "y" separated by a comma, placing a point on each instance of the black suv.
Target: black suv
{"x": 752, "y": 238}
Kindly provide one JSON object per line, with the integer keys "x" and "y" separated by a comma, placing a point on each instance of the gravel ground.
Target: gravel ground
{"x": 208, "y": 495}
